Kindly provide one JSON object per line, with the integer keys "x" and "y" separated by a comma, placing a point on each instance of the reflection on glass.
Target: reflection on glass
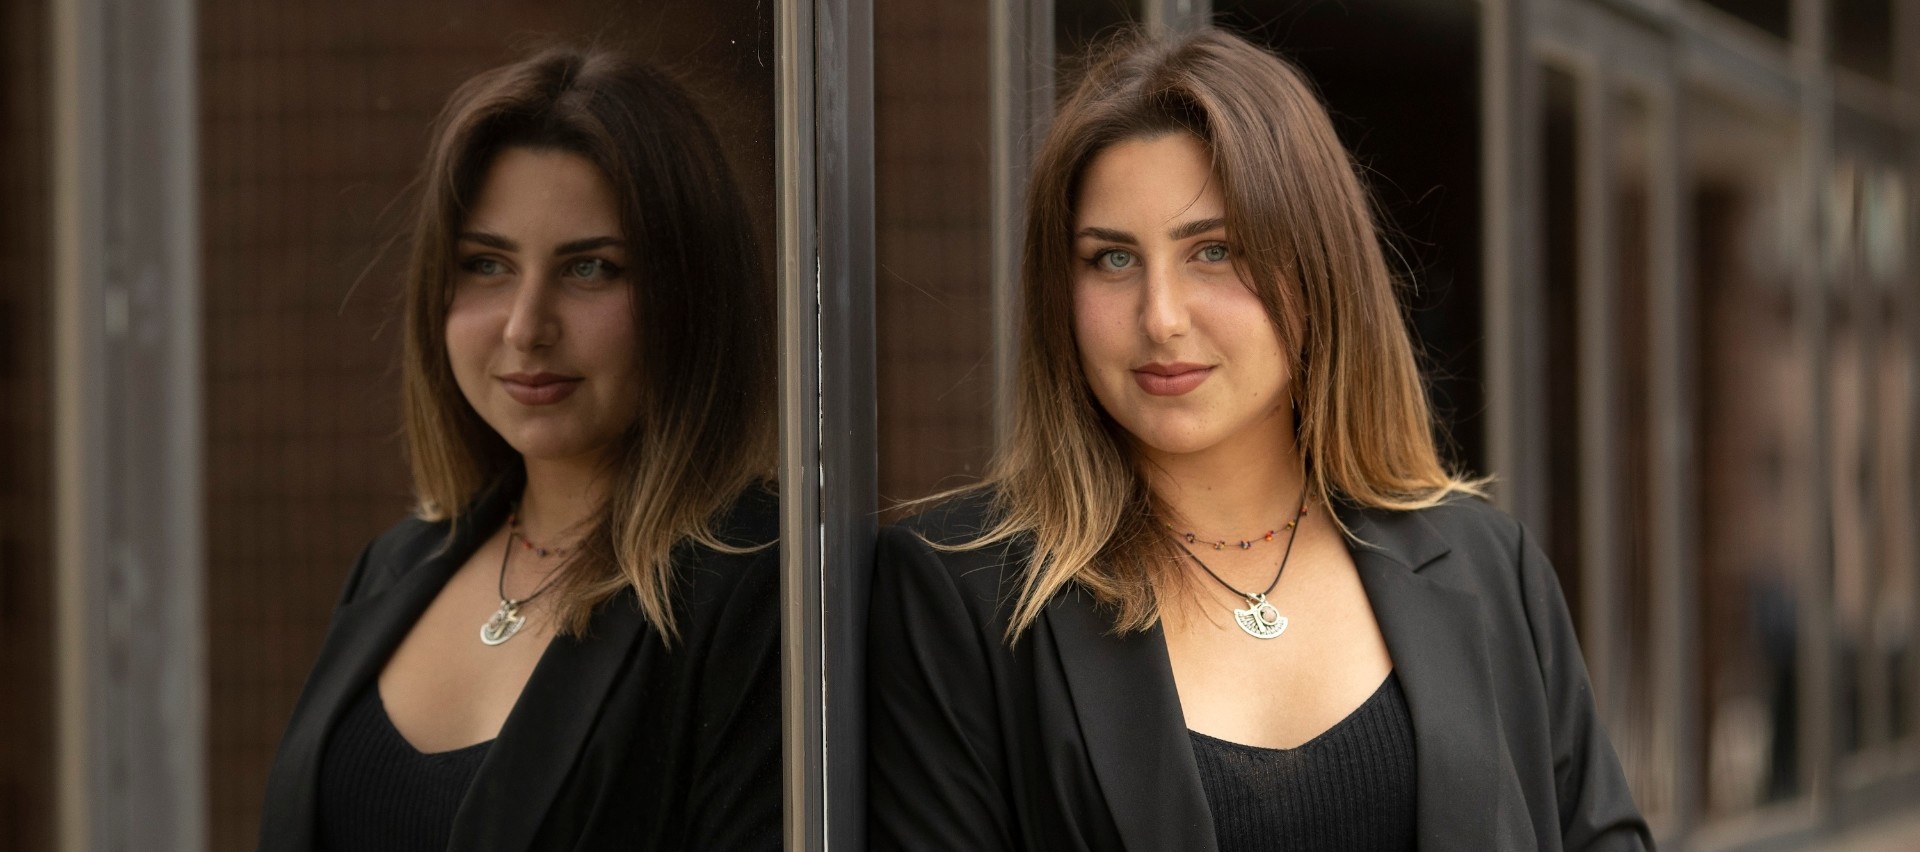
{"x": 1753, "y": 463}
{"x": 313, "y": 125}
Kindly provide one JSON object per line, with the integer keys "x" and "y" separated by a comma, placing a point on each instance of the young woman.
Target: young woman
{"x": 1219, "y": 591}
{"x": 572, "y": 645}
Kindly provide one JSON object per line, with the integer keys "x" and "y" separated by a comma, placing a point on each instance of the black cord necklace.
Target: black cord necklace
{"x": 507, "y": 620}
{"x": 1260, "y": 619}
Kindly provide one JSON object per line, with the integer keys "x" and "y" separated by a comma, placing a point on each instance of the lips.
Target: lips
{"x": 538, "y": 388}
{"x": 1170, "y": 379}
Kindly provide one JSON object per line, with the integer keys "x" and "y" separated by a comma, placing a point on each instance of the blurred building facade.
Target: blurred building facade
{"x": 1659, "y": 256}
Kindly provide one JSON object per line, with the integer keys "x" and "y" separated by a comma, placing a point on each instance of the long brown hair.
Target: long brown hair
{"x": 700, "y": 296}
{"x": 1306, "y": 242}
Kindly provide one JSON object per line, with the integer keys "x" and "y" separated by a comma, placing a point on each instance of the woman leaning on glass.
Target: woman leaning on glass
{"x": 1219, "y": 591}
{"x": 573, "y": 642}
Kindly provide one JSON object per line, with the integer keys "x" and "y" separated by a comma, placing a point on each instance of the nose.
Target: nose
{"x": 1163, "y": 303}
{"x": 531, "y": 321}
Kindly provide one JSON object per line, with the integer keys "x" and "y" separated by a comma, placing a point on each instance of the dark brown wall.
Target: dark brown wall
{"x": 933, "y": 293}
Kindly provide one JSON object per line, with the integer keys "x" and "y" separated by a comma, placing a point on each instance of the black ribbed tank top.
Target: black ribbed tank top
{"x": 1347, "y": 790}
{"x": 379, "y": 794}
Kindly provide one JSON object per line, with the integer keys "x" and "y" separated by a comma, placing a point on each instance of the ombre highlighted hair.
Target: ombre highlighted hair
{"x": 701, "y": 299}
{"x": 1304, "y": 238}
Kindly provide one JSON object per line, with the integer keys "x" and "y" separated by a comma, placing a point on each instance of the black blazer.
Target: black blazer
{"x": 1073, "y": 739}
{"x": 617, "y": 741}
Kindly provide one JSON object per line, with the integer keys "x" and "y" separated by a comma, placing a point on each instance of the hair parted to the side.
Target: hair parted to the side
{"x": 1303, "y": 234}
{"x": 701, "y": 300}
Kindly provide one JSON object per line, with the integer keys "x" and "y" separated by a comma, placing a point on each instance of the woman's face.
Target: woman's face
{"x": 541, "y": 328}
{"x": 1175, "y": 345}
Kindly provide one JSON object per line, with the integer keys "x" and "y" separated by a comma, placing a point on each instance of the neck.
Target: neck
{"x": 1229, "y": 491}
{"x": 560, "y": 496}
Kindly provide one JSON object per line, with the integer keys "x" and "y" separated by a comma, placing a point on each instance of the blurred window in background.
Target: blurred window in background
{"x": 1772, "y": 17}
{"x": 1862, "y": 33}
{"x": 1757, "y": 516}
{"x": 1871, "y": 443}
{"x": 1642, "y": 731}
{"x": 1598, "y": 157}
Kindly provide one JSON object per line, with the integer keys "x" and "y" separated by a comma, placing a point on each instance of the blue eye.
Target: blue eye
{"x": 592, "y": 267}
{"x": 484, "y": 266}
{"x": 1214, "y": 253}
{"x": 1114, "y": 259}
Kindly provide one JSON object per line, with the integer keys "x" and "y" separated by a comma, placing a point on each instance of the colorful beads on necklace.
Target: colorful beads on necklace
{"x": 1244, "y": 544}
{"x": 513, "y": 525}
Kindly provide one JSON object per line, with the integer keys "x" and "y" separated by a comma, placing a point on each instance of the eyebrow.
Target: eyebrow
{"x": 1197, "y": 227}
{"x": 502, "y": 243}
{"x": 1185, "y": 231}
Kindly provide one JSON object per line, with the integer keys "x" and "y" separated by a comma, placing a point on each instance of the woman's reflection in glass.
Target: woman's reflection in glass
{"x": 572, "y": 644}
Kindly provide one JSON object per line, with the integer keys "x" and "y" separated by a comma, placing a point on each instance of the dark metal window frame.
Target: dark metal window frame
{"x": 824, "y": 84}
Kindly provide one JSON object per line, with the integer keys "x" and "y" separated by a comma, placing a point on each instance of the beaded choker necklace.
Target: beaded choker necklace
{"x": 1260, "y": 619}
{"x": 1243, "y": 543}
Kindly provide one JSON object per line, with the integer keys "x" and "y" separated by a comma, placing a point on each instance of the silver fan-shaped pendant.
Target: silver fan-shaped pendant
{"x": 1260, "y": 619}
{"x": 505, "y": 622}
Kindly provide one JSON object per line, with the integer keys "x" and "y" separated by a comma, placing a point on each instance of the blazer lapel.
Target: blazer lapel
{"x": 363, "y": 635}
{"x": 543, "y": 736}
{"x": 1435, "y": 635}
{"x": 1136, "y": 736}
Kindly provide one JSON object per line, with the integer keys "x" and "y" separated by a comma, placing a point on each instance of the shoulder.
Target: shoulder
{"x": 955, "y": 521}
{"x": 1473, "y": 525}
{"x": 410, "y": 537}
{"x": 752, "y": 520}
{"x": 937, "y": 557}
{"x": 1464, "y": 539}
{"x": 749, "y": 565}
{"x": 392, "y": 553}
{"x": 415, "y": 540}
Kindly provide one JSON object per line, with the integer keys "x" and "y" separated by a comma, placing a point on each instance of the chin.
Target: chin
{"x": 1170, "y": 442}
{"x": 549, "y": 447}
